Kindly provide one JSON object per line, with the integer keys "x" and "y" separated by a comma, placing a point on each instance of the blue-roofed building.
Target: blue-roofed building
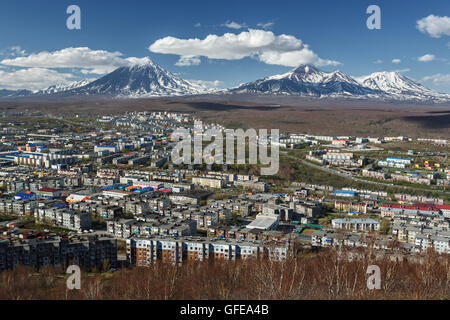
{"x": 344, "y": 193}
{"x": 36, "y": 145}
{"x": 26, "y": 196}
{"x": 405, "y": 161}
{"x": 125, "y": 186}
{"x": 144, "y": 190}
{"x": 109, "y": 188}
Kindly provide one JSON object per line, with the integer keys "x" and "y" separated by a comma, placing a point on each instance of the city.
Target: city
{"x": 108, "y": 193}
{"x": 224, "y": 159}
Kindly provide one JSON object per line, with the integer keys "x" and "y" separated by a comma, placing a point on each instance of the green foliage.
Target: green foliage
{"x": 385, "y": 226}
{"x": 278, "y": 189}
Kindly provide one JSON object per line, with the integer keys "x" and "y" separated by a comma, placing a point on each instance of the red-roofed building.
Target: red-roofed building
{"x": 339, "y": 142}
{"x": 426, "y": 206}
{"x": 49, "y": 193}
{"x": 389, "y": 210}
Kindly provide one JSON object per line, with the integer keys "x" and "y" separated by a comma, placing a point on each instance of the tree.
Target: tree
{"x": 385, "y": 226}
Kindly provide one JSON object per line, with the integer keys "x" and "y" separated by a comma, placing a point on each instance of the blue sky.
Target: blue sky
{"x": 35, "y": 43}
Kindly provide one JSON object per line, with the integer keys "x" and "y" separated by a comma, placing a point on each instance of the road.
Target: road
{"x": 73, "y": 123}
{"x": 349, "y": 176}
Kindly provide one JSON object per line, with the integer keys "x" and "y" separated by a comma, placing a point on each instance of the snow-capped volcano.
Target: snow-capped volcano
{"x": 398, "y": 87}
{"x": 65, "y": 87}
{"x": 306, "y": 80}
{"x": 143, "y": 80}
{"x": 151, "y": 80}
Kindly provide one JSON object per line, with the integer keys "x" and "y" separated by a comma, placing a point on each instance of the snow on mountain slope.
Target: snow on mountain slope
{"x": 144, "y": 80}
{"x": 398, "y": 87}
{"x": 151, "y": 80}
{"x": 65, "y": 87}
{"x": 306, "y": 80}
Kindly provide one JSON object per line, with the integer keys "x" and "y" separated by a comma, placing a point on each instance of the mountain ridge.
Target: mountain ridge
{"x": 151, "y": 80}
{"x": 307, "y": 81}
{"x": 64, "y": 87}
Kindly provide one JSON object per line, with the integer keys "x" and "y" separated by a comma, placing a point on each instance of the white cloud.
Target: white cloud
{"x": 285, "y": 50}
{"x": 266, "y": 25}
{"x": 379, "y": 61}
{"x": 427, "y": 58}
{"x": 438, "y": 78}
{"x": 14, "y": 51}
{"x": 198, "y": 25}
{"x": 396, "y": 61}
{"x": 32, "y": 78}
{"x": 234, "y": 25}
{"x": 96, "y": 61}
{"x": 208, "y": 84}
{"x": 186, "y": 61}
{"x": 435, "y": 26}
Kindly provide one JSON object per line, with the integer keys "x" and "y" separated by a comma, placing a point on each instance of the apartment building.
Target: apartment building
{"x": 331, "y": 156}
{"x": 18, "y": 207}
{"x": 144, "y": 251}
{"x": 197, "y": 250}
{"x": 123, "y": 228}
{"x": 356, "y": 224}
{"x": 421, "y": 235}
{"x": 284, "y": 213}
{"x": 137, "y": 207}
{"x": 374, "y": 174}
{"x": 85, "y": 251}
{"x": 99, "y": 181}
{"x": 347, "y": 206}
{"x": 392, "y": 210}
{"x": 422, "y": 199}
{"x": 411, "y": 177}
{"x": 437, "y": 243}
{"x": 252, "y": 185}
{"x": 208, "y": 182}
{"x": 331, "y": 238}
{"x": 63, "y": 217}
{"x": 205, "y": 219}
{"x": 192, "y": 198}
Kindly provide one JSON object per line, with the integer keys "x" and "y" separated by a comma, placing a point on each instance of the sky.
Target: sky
{"x": 222, "y": 43}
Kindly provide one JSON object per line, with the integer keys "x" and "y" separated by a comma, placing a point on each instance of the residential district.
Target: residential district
{"x": 103, "y": 191}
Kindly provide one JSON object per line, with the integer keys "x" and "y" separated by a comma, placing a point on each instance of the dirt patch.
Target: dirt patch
{"x": 331, "y": 117}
